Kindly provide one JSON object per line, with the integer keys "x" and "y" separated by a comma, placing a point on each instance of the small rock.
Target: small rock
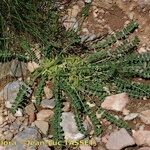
{"x": 66, "y": 107}
{"x": 88, "y": 1}
{"x": 85, "y": 147}
{"x": 30, "y": 108}
{"x": 44, "y": 114}
{"x": 42, "y": 125}
{"x": 73, "y": 12}
{"x": 71, "y": 131}
{"x": 1, "y": 120}
{"x": 48, "y": 92}
{"x": 91, "y": 104}
{"x": 24, "y": 136}
{"x": 11, "y": 90}
{"x": 142, "y": 137}
{"x": 131, "y": 116}
{"x": 142, "y": 50}
{"x": 32, "y": 66}
{"x": 19, "y": 113}
{"x": 32, "y": 117}
{"x": 145, "y": 116}
{"x": 18, "y": 68}
{"x": 71, "y": 23}
{"x": 119, "y": 140}
{"x": 8, "y": 135}
{"x": 144, "y": 148}
{"x": 115, "y": 102}
{"x": 46, "y": 103}
{"x": 8, "y": 104}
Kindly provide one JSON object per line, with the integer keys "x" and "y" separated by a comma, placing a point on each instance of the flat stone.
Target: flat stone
{"x": 131, "y": 116}
{"x": 42, "y": 125}
{"x": 145, "y": 116}
{"x": 68, "y": 124}
{"x": 46, "y": 103}
{"x": 44, "y": 114}
{"x": 142, "y": 137}
{"x": 115, "y": 102}
{"x": 119, "y": 140}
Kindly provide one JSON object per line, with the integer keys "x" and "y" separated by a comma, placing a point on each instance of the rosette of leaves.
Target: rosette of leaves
{"x": 100, "y": 73}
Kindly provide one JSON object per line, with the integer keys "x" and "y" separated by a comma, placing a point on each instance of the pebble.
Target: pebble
{"x": 43, "y": 126}
{"x": 142, "y": 137}
{"x": 11, "y": 90}
{"x": 44, "y": 114}
{"x": 66, "y": 107}
{"x": 115, "y": 102}
{"x": 32, "y": 66}
{"x": 46, "y": 103}
{"x": 30, "y": 109}
{"x": 8, "y": 135}
{"x": 1, "y": 120}
{"x": 145, "y": 116}
{"x": 19, "y": 113}
{"x": 119, "y": 140}
{"x": 18, "y": 69}
{"x": 70, "y": 129}
{"x": 48, "y": 92}
{"x": 88, "y": 1}
{"x": 131, "y": 116}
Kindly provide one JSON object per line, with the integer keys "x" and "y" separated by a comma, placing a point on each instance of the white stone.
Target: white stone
{"x": 119, "y": 140}
{"x": 131, "y": 116}
{"x": 68, "y": 124}
{"x": 115, "y": 102}
{"x": 19, "y": 113}
{"x": 88, "y": 1}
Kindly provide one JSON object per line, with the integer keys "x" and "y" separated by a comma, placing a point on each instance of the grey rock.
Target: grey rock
{"x": 23, "y": 137}
{"x": 46, "y": 103}
{"x": 68, "y": 124}
{"x": 131, "y": 116}
{"x": 119, "y": 140}
{"x": 18, "y": 69}
{"x": 10, "y": 92}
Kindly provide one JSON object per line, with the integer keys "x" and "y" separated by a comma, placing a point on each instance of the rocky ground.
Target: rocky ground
{"x": 105, "y": 16}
